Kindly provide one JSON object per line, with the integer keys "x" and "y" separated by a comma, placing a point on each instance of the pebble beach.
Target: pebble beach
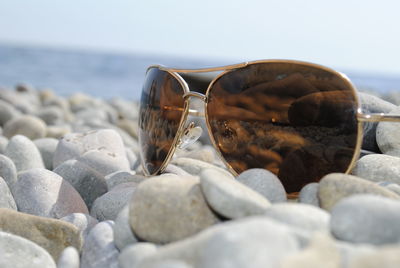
{"x": 73, "y": 194}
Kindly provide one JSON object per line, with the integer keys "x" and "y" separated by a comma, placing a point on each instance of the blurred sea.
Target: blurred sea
{"x": 108, "y": 75}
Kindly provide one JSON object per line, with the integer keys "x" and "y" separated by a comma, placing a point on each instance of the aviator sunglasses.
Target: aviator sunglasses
{"x": 298, "y": 120}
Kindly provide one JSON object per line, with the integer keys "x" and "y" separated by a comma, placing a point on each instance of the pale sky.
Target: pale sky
{"x": 350, "y": 35}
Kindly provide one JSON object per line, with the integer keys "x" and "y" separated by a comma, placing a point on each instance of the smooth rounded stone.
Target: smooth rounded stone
{"x": 47, "y": 147}
{"x": 309, "y": 194}
{"x": 394, "y": 187}
{"x": 88, "y": 182}
{"x": 176, "y": 170}
{"x": 84, "y": 222}
{"x": 130, "y": 126}
{"x": 8, "y": 171}
{"x": 378, "y": 167}
{"x": 253, "y": 241}
{"x": 229, "y": 197}
{"x": 99, "y": 249}
{"x": 6, "y": 198}
{"x": 104, "y": 161}
{"x": 51, "y": 115}
{"x": 194, "y": 166}
{"x": 119, "y": 177}
{"x": 53, "y": 235}
{"x": 133, "y": 159}
{"x": 27, "y": 125}
{"x": 58, "y": 132}
{"x": 107, "y": 206}
{"x": 167, "y": 208}
{"x": 3, "y": 144}
{"x": 336, "y": 186}
{"x": 125, "y": 109}
{"x": 69, "y": 258}
{"x": 20, "y": 100}
{"x": 24, "y": 153}
{"x": 18, "y": 252}
{"x": 264, "y": 182}
{"x": 387, "y": 134}
{"x": 90, "y": 114}
{"x": 366, "y": 219}
{"x": 123, "y": 235}
{"x": 44, "y": 193}
{"x": 205, "y": 154}
{"x": 131, "y": 255}
{"x": 303, "y": 216}
{"x": 7, "y": 112}
{"x": 74, "y": 145}
{"x": 388, "y": 257}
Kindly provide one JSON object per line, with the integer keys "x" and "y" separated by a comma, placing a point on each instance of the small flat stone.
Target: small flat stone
{"x": 24, "y": 153}
{"x": 309, "y": 194}
{"x": 8, "y": 171}
{"x": 264, "y": 182}
{"x": 88, "y": 182}
{"x": 336, "y": 186}
{"x": 6, "y": 198}
{"x": 27, "y": 125}
{"x": 167, "y": 208}
{"x": 69, "y": 258}
{"x": 47, "y": 147}
{"x": 107, "y": 206}
{"x": 123, "y": 235}
{"x": 131, "y": 255}
{"x": 378, "y": 167}
{"x": 18, "y": 252}
{"x": 84, "y": 222}
{"x": 119, "y": 177}
{"x": 44, "y": 193}
{"x": 229, "y": 197}
{"x": 53, "y": 235}
{"x": 99, "y": 250}
{"x": 366, "y": 219}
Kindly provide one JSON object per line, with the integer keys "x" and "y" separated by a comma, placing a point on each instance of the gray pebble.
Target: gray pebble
{"x": 107, "y": 206}
{"x": 123, "y": 235}
{"x": 309, "y": 194}
{"x": 119, "y": 177}
{"x": 7, "y": 112}
{"x": 104, "y": 162}
{"x": 3, "y": 144}
{"x": 47, "y": 147}
{"x": 387, "y": 134}
{"x": 24, "y": 153}
{"x": 229, "y": 197}
{"x": 378, "y": 167}
{"x": 84, "y": 222}
{"x": 18, "y": 252}
{"x": 44, "y": 193}
{"x": 27, "y": 125}
{"x": 265, "y": 183}
{"x": 167, "y": 208}
{"x": 336, "y": 186}
{"x": 6, "y": 198}
{"x": 69, "y": 258}
{"x": 99, "y": 249}
{"x": 8, "y": 171}
{"x": 366, "y": 219}
{"x": 131, "y": 255}
{"x": 51, "y": 115}
{"x": 88, "y": 182}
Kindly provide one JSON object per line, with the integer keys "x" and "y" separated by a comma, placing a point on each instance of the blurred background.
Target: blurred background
{"x": 103, "y": 47}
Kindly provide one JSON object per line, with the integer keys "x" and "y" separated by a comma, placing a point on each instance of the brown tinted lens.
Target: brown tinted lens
{"x": 293, "y": 119}
{"x": 161, "y": 110}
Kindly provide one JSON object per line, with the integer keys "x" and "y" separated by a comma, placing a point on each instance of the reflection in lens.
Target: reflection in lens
{"x": 293, "y": 119}
{"x": 161, "y": 110}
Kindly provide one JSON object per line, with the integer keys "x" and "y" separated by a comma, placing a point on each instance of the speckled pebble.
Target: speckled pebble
{"x": 378, "y": 167}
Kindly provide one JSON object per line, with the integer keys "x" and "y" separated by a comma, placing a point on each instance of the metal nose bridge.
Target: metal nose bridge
{"x": 198, "y": 95}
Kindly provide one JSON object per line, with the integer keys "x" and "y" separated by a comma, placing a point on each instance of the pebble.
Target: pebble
{"x": 18, "y": 252}
{"x": 47, "y": 147}
{"x": 130, "y": 126}
{"x": 388, "y": 257}
{"x": 6, "y": 198}
{"x": 167, "y": 208}
{"x": 84, "y": 222}
{"x": 53, "y": 235}
{"x": 87, "y": 181}
{"x": 230, "y": 198}
{"x": 24, "y": 153}
{"x": 336, "y": 186}
{"x": 171, "y": 168}
{"x": 133, "y": 159}
{"x": 51, "y": 115}
{"x": 253, "y": 241}
{"x": 394, "y": 187}
{"x": 123, "y": 235}
{"x": 205, "y": 154}
{"x": 27, "y": 125}
{"x": 309, "y": 194}
{"x": 378, "y": 167}
{"x": 7, "y": 112}
{"x": 119, "y": 177}
{"x": 69, "y": 258}
{"x": 58, "y": 132}
{"x": 265, "y": 183}
{"x": 366, "y": 219}
{"x": 194, "y": 166}
{"x": 44, "y": 193}
{"x": 8, "y": 171}
{"x": 303, "y": 216}
{"x": 131, "y": 255}
{"x": 107, "y": 206}
{"x": 387, "y": 134}
{"x": 99, "y": 250}
{"x": 3, "y": 144}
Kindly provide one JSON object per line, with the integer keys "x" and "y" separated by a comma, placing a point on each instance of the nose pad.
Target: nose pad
{"x": 191, "y": 134}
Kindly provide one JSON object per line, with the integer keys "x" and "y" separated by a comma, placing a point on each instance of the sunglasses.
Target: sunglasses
{"x": 298, "y": 120}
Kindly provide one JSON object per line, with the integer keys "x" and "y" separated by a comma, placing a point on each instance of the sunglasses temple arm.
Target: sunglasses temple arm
{"x": 378, "y": 117}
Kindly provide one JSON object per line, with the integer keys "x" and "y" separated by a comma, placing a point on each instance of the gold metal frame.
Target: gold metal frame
{"x": 361, "y": 117}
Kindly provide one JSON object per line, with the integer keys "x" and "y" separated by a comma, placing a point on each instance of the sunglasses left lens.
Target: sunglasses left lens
{"x": 161, "y": 109}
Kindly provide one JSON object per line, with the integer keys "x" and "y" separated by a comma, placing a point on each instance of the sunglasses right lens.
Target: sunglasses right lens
{"x": 161, "y": 109}
{"x": 296, "y": 120}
